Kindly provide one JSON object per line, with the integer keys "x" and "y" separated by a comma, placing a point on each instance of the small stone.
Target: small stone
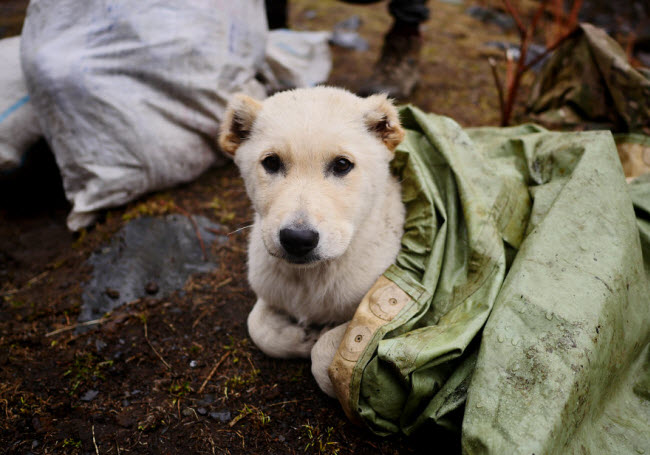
{"x": 124, "y": 420}
{"x": 223, "y": 416}
{"x": 194, "y": 364}
{"x": 281, "y": 438}
{"x": 99, "y": 345}
{"x": 188, "y": 412}
{"x": 89, "y": 395}
{"x": 202, "y": 411}
{"x": 151, "y": 288}
{"x": 112, "y": 293}
{"x": 207, "y": 400}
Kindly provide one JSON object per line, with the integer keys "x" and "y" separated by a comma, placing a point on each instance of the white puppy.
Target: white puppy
{"x": 328, "y": 212}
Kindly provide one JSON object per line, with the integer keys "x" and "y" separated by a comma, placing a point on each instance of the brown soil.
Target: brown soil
{"x": 180, "y": 375}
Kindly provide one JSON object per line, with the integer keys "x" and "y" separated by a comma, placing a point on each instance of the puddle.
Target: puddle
{"x": 148, "y": 257}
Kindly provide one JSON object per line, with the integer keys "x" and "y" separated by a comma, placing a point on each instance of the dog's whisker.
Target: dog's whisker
{"x": 240, "y": 229}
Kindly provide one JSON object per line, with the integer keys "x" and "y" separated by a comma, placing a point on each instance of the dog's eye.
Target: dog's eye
{"x": 272, "y": 164}
{"x": 341, "y": 166}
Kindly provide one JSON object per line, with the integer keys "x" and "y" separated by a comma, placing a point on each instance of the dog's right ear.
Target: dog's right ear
{"x": 382, "y": 119}
{"x": 238, "y": 121}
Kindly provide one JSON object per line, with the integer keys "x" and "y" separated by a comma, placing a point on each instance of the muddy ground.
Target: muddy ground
{"x": 179, "y": 374}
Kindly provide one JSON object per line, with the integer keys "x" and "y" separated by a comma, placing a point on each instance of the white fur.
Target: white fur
{"x": 359, "y": 217}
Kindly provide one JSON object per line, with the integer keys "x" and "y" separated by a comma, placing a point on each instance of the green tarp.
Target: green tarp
{"x": 521, "y": 298}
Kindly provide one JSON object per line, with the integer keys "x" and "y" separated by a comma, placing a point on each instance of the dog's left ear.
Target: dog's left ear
{"x": 238, "y": 122}
{"x": 382, "y": 119}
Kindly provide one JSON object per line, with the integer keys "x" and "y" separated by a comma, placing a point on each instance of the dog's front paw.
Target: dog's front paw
{"x": 277, "y": 336}
{"x": 322, "y": 355}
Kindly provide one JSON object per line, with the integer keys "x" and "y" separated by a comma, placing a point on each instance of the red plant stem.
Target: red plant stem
{"x": 513, "y": 76}
{"x": 515, "y": 15}
{"x": 572, "y": 21}
{"x": 550, "y": 49}
{"x": 515, "y": 79}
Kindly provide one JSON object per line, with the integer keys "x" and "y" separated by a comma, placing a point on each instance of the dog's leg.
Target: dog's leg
{"x": 322, "y": 355}
{"x": 276, "y": 335}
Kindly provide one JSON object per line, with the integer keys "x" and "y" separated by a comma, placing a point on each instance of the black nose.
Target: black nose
{"x": 298, "y": 242}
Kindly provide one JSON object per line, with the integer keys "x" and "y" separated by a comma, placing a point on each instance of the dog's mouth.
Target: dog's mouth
{"x": 305, "y": 261}
{"x": 301, "y": 260}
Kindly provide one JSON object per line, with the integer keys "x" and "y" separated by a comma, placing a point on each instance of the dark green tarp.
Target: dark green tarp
{"x": 589, "y": 83}
{"x": 521, "y": 299}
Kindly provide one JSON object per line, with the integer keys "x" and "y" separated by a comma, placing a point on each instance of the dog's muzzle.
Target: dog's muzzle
{"x": 298, "y": 243}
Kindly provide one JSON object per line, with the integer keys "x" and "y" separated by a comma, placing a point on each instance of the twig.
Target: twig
{"x": 497, "y": 82}
{"x": 37, "y": 278}
{"x": 214, "y": 369}
{"x": 284, "y": 402}
{"x": 197, "y": 320}
{"x": 239, "y": 416}
{"x": 146, "y": 337}
{"x": 222, "y": 283}
{"x": 74, "y": 326}
{"x": 196, "y": 230}
{"x": 95, "y": 442}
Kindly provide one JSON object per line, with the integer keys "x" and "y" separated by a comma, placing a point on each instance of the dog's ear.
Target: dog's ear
{"x": 238, "y": 121}
{"x": 382, "y": 119}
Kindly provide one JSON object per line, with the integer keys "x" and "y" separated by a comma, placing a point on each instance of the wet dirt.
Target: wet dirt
{"x": 178, "y": 374}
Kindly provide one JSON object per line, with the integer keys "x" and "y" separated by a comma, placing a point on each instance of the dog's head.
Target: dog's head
{"x": 314, "y": 161}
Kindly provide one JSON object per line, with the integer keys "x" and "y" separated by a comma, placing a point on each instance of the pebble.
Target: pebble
{"x": 124, "y": 420}
{"x": 151, "y": 288}
{"x": 223, "y": 416}
{"x": 99, "y": 344}
{"x": 194, "y": 364}
{"x": 202, "y": 411}
{"x": 207, "y": 399}
{"x": 89, "y": 395}
{"x": 112, "y": 293}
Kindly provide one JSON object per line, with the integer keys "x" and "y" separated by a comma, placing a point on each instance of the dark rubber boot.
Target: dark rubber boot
{"x": 396, "y": 72}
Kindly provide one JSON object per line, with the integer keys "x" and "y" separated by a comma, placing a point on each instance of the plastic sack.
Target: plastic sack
{"x": 517, "y": 313}
{"x": 130, "y": 95}
{"x": 18, "y": 122}
{"x": 296, "y": 59}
